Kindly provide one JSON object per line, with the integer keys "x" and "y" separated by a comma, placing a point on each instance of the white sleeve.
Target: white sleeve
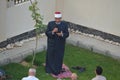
{"x": 93, "y": 78}
{"x": 23, "y": 79}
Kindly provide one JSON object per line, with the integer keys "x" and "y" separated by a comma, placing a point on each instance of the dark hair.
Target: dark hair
{"x": 99, "y": 70}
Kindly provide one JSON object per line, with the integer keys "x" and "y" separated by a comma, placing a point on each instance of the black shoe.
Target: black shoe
{"x": 76, "y": 67}
{"x": 82, "y": 69}
{"x": 56, "y": 74}
{"x": 63, "y": 70}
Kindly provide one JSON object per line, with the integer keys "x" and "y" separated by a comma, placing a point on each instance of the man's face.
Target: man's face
{"x": 57, "y": 19}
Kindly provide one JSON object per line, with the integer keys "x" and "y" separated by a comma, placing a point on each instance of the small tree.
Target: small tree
{"x": 38, "y": 19}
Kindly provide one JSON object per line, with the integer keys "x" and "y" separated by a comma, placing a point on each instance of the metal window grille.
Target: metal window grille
{"x": 18, "y": 1}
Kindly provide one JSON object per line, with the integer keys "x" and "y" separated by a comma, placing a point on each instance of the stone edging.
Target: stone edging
{"x": 72, "y": 27}
{"x": 79, "y": 29}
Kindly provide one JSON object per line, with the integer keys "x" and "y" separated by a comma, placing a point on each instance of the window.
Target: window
{"x": 15, "y": 2}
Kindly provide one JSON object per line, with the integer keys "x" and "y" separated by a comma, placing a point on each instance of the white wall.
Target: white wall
{"x": 60, "y": 6}
{"x": 47, "y": 9}
{"x": 2, "y": 19}
{"x": 18, "y": 20}
{"x": 103, "y": 15}
{"x": 19, "y": 17}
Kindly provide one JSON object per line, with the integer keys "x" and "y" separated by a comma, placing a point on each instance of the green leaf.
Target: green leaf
{"x": 36, "y": 16}
{"x": 31, "y": 8}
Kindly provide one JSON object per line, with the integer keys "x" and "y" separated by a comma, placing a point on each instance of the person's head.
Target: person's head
{"x": 32, "y": 72}
{"x": 74, "y": 76}
{"x": 58, "y": 16}
{"x": 98, "y": 70}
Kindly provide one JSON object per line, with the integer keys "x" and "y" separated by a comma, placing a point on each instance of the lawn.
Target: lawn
{"x": 73, "y": 56}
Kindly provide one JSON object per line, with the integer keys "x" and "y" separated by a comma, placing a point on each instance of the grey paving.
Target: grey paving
{"x": 95, "y": 45}
{"x": 17, "y": 54}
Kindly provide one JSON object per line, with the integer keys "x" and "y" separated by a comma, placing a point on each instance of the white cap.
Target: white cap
{"x": 58, "y": 15}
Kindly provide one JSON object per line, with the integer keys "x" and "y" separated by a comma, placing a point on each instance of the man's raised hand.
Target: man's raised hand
{"x": 60, "y": 34}
{"x": 55, "y": 30}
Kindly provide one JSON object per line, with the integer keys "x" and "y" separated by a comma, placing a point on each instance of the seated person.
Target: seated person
{"x": 31, "y": 75}
{"x": 2, "y": 75}
{"x": 98, "y": 73}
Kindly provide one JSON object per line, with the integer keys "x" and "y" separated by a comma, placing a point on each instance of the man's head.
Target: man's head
{"x": 32, "y": 72}
{"x": 58, "y": 16}
{"x": 99, "y": 70}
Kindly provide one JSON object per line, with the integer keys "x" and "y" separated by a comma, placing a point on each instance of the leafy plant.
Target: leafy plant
{"x": 38, "y": 19}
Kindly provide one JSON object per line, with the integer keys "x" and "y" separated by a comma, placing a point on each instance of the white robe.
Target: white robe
{"x": 99, "y": 77}
{"x": 30, "y": 78}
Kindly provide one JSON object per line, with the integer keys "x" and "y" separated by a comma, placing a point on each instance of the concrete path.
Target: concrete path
{"x": 95, "y": 45}
{"x": 17, "y": 54}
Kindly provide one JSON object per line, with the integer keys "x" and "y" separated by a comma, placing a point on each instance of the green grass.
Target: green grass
{"x": 73, "y": 56}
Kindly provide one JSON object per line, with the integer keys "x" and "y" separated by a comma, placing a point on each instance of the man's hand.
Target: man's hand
{"x": 55, "y": 30}
{"x": 60, "y": 34}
